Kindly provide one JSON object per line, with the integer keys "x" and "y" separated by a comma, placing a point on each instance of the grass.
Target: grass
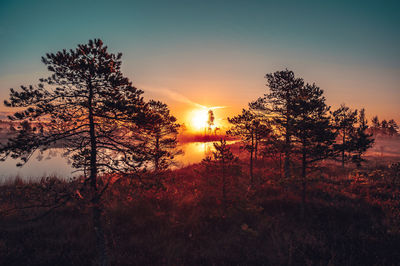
{"x": 352, "y": 218}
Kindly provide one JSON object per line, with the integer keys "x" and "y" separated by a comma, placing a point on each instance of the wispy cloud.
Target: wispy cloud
{"x": 173, "y": 95}
{"x": 217, "y": 107}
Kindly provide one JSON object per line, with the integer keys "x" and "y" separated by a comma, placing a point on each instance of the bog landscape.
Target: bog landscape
{"x": 204, "y": 165}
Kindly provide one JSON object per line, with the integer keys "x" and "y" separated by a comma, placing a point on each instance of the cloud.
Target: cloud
{"x": 217, "y": 107}
{"x": 173, "y": 95}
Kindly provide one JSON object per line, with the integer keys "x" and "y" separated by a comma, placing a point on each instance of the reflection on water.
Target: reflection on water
{"x": 53, "y": 163}
{"x": 194, "y": 152}
{"x": 42, "y": 164}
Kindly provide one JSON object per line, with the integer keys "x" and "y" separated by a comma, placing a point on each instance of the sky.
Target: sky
{"x": 216, "y": 53}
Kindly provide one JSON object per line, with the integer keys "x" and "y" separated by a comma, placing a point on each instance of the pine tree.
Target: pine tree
{"x": 392, "y": 127}
{"x": 301, "y": 118}
{"x": 352, "y": 128}
{"x": 89, "y": 107}
{"x": 312, "y": 130}
{"x": 376, "y": 125}
{"x": 384, "y": 127}
{"x": 344, "y": 120}
{"x": 278, "y": 105}
{"x": 161, "y": 136}
{"x": 225, "y": 164}
{"x": 263, "y": 130}
{"x": 250, "y": 129}
{"x": 360, "y": 139}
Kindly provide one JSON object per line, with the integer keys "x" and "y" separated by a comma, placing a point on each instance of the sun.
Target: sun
{"x": 198, "y": 119}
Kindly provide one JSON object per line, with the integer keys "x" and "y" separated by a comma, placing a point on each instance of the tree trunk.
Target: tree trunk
{"x": 304, "y": 183}
{"x": 156, "y": 158}
{"x": 251, "y": 160}
{"x": 256, "y": 148}
{"x": 287, "y": 143}
{"x": 280, "y": 165}
{"x": 96, "y": 209}
{"x": 99, "y": 231}
{"x": 286, "y": 165}
{"x": 93, "y": 146}
{"x": 344, "y": 147}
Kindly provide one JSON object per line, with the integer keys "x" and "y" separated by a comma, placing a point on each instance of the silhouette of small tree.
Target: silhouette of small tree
{"x": 161, "y": 136}
{"x": 249, "y": 128}
{"x": 393, "y": 128}
{"x": 225, "y": 164}
{"x": 361, "y": 139}
{"x": 352, "y": 128}
{"x": 210, "y": 120}
{"x": 384, "y": 127}
{"x": 90, "y": 108}
{"x": 264, "y": 137}
{"x": 344, "y": 120}
{"x": 376, "y": 125}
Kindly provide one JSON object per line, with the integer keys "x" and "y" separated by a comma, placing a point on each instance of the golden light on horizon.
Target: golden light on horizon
{"x": 198, "y": 119}
{"x": 205, "y": 119}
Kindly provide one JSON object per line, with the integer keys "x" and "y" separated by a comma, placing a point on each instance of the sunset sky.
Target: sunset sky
{"x": 216, "y": 53}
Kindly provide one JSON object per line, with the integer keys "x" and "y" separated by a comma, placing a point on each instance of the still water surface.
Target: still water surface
{"x": 53, "y": 163}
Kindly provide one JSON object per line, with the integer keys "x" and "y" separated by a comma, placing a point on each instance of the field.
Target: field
{"x": 352, "y": 217}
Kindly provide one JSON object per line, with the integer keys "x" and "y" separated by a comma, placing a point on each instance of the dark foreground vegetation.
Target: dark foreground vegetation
{"x": 352, "y": 218}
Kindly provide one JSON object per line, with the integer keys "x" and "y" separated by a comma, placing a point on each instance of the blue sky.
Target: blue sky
{"x": 217, "y": 52}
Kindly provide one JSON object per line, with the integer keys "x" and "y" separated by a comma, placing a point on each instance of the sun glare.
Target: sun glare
{"x": 199, "y": 118}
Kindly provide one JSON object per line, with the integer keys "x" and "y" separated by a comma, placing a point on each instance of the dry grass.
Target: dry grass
{"x": 352, "y": 218}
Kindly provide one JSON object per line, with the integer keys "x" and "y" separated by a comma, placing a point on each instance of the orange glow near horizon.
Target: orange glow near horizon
{"x": 198, "y": 119}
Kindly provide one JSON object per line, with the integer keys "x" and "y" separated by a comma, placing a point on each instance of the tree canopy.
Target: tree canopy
{"x": 91, "y": 109}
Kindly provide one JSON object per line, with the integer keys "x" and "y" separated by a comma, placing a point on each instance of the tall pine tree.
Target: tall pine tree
{"x": 92, "y": 110}
{"x": 312, "y": 130}
{"x": 279, "y": 105}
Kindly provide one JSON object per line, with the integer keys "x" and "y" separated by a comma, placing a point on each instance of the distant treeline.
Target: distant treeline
{"x": 385, "y": 127}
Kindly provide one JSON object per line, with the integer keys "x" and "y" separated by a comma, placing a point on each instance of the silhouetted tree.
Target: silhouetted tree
{"x": 392, "y": 127}
{"x": 376, "y": 125}
{"x": 361, "y": 139}
{"x": 344, "y": 120}
{"x": 225, "y": 164}
{"x": 272, "y": 145}
{"x": 312, "y": 130}
{"x": 279, "y": 105}
{"x": 385, "y": 127}
{"x": 352, "y": 128}
{"x": 263, "y": 130}
{"x": 161, "y": 136}
{"x": 210, "y": 120}
{"x": 301, "y": 118}
{"x": 384, "y": 124}
{"x": 92, "y": 109}
{"x": 249, "y": 128}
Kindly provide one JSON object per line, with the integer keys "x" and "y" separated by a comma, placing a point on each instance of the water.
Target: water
{"x": 53, "y": 163}
{"x": 42, "y": 164}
